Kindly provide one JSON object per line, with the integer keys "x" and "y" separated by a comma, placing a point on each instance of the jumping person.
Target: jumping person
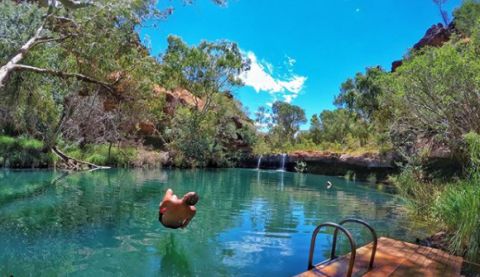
{"x": 177, "y": 213}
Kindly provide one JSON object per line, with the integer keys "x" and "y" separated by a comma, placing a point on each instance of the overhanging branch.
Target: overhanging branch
{"x": 65, "y": 75}
{"x": 50, "y": 39}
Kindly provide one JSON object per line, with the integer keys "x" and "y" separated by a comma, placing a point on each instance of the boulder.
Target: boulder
{"x": 396, "y": 64}
{"x": 435, "y": 36}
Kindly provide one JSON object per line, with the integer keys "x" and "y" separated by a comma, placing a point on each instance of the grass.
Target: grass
{"x": 23, "y": 152}
{"x": 452, "y": 206}
{"x": 458, "y": 208}
{"x": 26, "y": 152}
{"x": 125, "y": 156}
{"x": 99, "y": 154}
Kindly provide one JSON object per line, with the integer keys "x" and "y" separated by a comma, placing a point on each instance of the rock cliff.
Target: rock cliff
{"x": 361, "y": 167}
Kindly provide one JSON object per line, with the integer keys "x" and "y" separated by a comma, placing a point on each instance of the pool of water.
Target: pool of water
{"x": 248, "y": 222}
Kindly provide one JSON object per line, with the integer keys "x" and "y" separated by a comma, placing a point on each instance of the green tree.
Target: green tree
{"x": 204, "y": 132}
{"x": 315, "y": 131}
{"x": 204, "y": 70}
{"x": 263, "y": 118}
{"x": 436, "y": 97}
{"x": 336, "y": 125}
{"x": 287, "y": 119}
{"x": 361, "y": 94}
{"x": 467, "y": 17}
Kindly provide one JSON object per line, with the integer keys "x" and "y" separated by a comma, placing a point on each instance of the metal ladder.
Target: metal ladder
{"x": 351, "y": 240}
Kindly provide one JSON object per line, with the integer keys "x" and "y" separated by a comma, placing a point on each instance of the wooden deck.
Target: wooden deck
{"x": 393, "y": 258}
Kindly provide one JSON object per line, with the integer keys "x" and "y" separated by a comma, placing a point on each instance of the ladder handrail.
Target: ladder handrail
{"x": 372, "y": 231}
{"x": 350, "y": 239}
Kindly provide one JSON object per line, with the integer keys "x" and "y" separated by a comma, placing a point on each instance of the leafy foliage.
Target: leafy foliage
{"x": 437, "y": 97}
{"x": 454, "y": 206}
{"x": 457, "y": 208}
{"x": 205, "y": 132}
{"x": 17, "y": 24}
{"x": 20, "y": 152}
{"x": 467, "y": 17}
{"x": 362, "y": 93}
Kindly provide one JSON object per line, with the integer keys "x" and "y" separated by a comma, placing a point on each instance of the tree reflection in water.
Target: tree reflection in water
{"x": 248, "y": 221}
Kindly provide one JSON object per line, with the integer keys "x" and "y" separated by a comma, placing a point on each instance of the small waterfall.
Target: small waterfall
{"x": 259, "y": 162}
{"x": 282, "y": 168}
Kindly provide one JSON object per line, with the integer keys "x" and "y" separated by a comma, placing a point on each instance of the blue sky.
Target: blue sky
{"x": 302, "y": 50}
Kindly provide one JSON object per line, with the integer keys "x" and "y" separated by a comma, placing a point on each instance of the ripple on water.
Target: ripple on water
{"x": 248, "y": 222}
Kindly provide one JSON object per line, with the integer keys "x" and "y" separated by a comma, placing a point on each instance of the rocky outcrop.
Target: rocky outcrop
{"x": 396, "y": 64}
{"x": 436, "y": 36}
{"x": 178, "y": 97}
{"x": 362, "y": 167}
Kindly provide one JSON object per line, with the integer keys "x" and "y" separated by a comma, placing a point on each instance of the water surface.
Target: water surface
{"x": 248, "y": 222}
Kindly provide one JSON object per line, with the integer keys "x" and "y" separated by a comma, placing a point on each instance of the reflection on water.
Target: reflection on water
{"x": 249, "y": 222}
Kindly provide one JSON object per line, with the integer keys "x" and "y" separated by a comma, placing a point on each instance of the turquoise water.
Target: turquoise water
{"x": 249, "y": 222}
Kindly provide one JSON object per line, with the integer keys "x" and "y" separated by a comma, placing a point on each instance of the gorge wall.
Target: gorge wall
{"x": 360, "y": 167}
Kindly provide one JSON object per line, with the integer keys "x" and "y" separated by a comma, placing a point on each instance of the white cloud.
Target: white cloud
{"x": 269, "y": 66}
{"x": 295, "y": 84}
{"x": 260, "y": 77}
{"x": 289, "y": 97}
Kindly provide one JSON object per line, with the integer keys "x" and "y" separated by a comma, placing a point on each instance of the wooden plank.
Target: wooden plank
{"x": 393, "y": 258}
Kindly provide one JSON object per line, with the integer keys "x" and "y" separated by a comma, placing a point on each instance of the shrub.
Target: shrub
{"x": 454, "y": 206}
{"x": 6, "y": 142}
{"x": 458, "y": 209}
{"x": 418, "y": 194}
{"x": 472, "y": 140}
{"x": 150, "y": 159}
{"x": 350, "y": 176}
{"x": 23, "y": 152}
{"x": 467, "y": 17}
{"x": 125, "y": 156}
{"x": 300, "y": 166}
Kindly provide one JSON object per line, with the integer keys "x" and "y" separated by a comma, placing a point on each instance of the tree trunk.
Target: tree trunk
{"x": 109, "y": 151}
{"x": 74, "y": 164}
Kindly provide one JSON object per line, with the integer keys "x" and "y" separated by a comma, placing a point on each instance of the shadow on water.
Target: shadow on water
{"x": 249, "y": 222}
{"x": 174, "y": 261}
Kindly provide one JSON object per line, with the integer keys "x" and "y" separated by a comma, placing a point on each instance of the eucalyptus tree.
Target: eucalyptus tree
{"x": 53, "y": 51}
{"x": 467, "y": 17}
{"x": 209, "y": 71}
{"x": 361, "y": 94}
{"x": 315, "y": 131}
{"x": 287, "y": 119}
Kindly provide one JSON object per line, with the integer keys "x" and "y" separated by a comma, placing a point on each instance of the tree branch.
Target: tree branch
{"x": 71, "y": 4}
{"x": 65, "y": 75}
{"x": 50, "y": 39}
